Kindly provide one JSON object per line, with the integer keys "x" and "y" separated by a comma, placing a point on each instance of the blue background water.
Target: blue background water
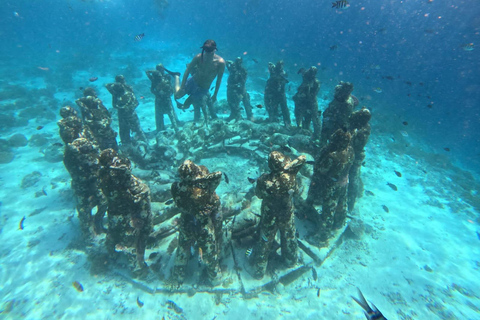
{"x": 411, "y": 41}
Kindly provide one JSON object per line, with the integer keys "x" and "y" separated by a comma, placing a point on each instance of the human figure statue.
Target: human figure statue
{"x": 129, "y": 212}
{"x": 124, "y": 100}
{"x": 236, "y": 90}
{"x": 162, "y": 88}
{"x": 329, "y": 183}
{"x": 275, "y": 96}
{"x": 200, "y": 221}
{"x": 81, "y": 161}
{"x": 306, "y": 104}
{"x": 360, "y": 130}
{"x": 97, "y": 118}
{"x": 203, "y": 68}
{"x": 338, "y": 111}
{"x": 276, "y": 189}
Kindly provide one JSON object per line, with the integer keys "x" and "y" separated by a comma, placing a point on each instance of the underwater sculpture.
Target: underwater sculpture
{"x": 97, "y": 118}
{"x": 81, "y": 161}
{"x": 360, "y": 130}
{"x": 129, "y": 212}
{"x": 200, "y": 220}
{"x": 329, "y": 183}
{"x": 162, "y": 88}
{"x": 276, "y": 189}
{"x": 275, "y": 96}
{"x": 236, "y": 90}
{"x": 337, "y": 114}
{"x": 124, "y": 100}
{"x": 306, "y": 104}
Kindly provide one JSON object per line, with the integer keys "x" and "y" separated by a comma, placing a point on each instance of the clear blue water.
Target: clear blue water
{"x": 412, "y": 50}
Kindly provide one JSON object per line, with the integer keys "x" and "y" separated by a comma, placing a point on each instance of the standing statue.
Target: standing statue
{"x": 162, "y": 88}
{"x": 236, "y": 90}
{"x": 200, "y": 221}
{"x": 124, "y": 100}
{"x": 306, "y": 103}
{"x": 276, "y": 189}
{"x": 275, "y": 96}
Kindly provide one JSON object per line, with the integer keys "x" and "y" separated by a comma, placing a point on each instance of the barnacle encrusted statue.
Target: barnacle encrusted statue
{"x": 129, "y": 212}
{"x": 277, "y": 189}
{"x": 200, "y": 221}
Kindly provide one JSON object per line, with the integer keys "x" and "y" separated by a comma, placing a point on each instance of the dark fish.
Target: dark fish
{"x": 301, "y": 71}
{"x": 391, "y": 185}
{"x": 168, "y": 202}
{"x": 254, "y": 60}
{"x": 478, "y": 235}
{"x": 44, "y": 192}
{"x": 310, "y": 162}
{"x": 385, "y": 208}
{"x": 446, "y": 149}
{"x": 81, "y": 88}
{"x": 314, "y": 274}
{"x": 77, "y": 285}
{"x": 342, "y": 4}
{"x": 334, "y": 47}
{"x": 318, "y": 292}
{"x": 430, "y": 106}
{"x": 211, "y": 89}
{"x": 468, "y": 46}
{"x": 226, "y": 178}
{"x": 39, "y": 127}
{"x": 173, "y": 306}
{"x": 251, "y": 180}
{"x": 93, "y": 79}
{"x": 398, "y": 173}
{"x": 259, "y": 106}
{"x": 370, "y": 314}
{"x": 408, "y": 82}
{"x": 57, "y": 144}
{"x": 139, "y": 37}
{"x": 388, "y": 77}
{"x": 20, "y": 225}
{"x": 369, "y": 193}
{"x": 139, "y": 303}
{"x": 405, "y": 123}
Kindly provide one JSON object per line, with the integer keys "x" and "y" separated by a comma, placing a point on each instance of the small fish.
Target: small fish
{"x": 285, "y": 149}
{"x": 139, "y": 303}
{"x": 478, "y": 235}
{"x": 391, "y": 185}
{"x": 388, "y": 78}
{"x": 468, "y": 46}
{"x": 43, "y": 68}
{"x": 39, "y": 127}
{"x": 251, "y": 180}
{"x": 142, "y": 97}
{"x": 57, "y": 144}
{"x": 446, "y": 149}
{"x": 334, "y": 47}
{"x": 44, "y": 192}
{"x": 172, "y": 305}
{"x": 369, "y": 193}
{"x": 314, "y": 274}
{"x": 259, "y": 106}
{"x": 81, "y": 88}
{"x": 77, "y": 285}
{"x": 405, "y": 123}
{"x": 264, "y": 237}
{"x": 385, "y": 208}
{"x": 408, "y": 82}
{"x": 310, "y": 162}
{"x": 20, "y": 225}
{"x": 226, "y": 178}
{"x": 399, "y": 174}
{"x": 254, "y": 60}
{"x": 301, "y": 71}
{"x": 404, "y": 133}
{"x": 200, "y": 256}
{"x": 168, "y": 202}
{"x": 248, "y": 252}
{"x": 318, "y": 293}
{"x": 139, "y": 37}
{"x": 342, "y": 4}
{"x": 378, "y": 90}
{"x": 370, "y": 314}
{"x": 16, "y": 14}
{"x": 93, "y": 79}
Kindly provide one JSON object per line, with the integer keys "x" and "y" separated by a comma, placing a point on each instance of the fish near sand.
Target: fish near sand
{"x": 371, "y": 313}
{"x": 391, "y": 185}
{"x": 139, "y": 37}
{"x": 342, "y": 4}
